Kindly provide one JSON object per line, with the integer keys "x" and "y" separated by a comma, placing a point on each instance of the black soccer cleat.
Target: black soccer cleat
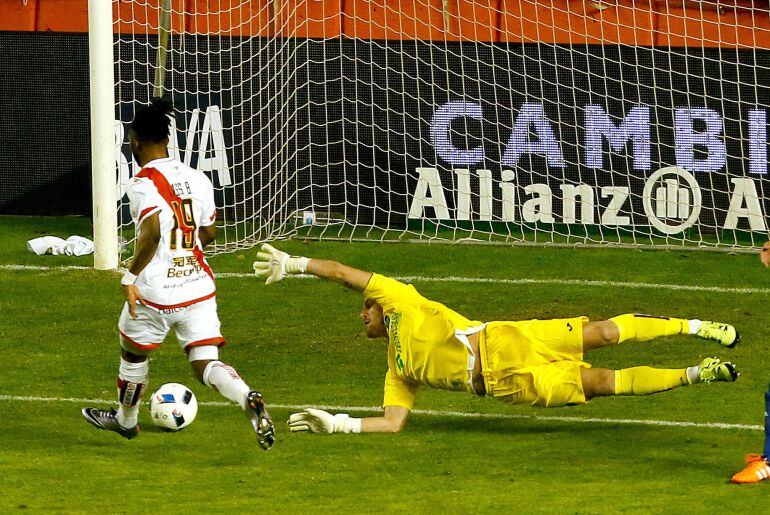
{"x": 260, "y": 420}
{"x": 106, "y": 419}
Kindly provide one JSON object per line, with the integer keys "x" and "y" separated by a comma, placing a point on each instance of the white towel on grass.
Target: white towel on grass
{"x": 72, "y": 246}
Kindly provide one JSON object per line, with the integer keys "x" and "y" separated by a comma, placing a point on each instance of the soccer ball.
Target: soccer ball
{"x": 308, "y": 217}
{"x": 173, "y": 407}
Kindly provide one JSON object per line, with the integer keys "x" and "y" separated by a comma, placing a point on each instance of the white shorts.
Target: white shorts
{"x": 195, "y": 325}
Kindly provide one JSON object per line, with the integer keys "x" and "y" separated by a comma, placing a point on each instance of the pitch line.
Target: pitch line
{"x": 588, "y": 282}
{"x": 44, "y": 268}
{"x": 435, "y": 413}
{"x": 478, "y": 280}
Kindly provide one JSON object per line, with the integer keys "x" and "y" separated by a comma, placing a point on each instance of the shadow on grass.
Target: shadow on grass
{"x": 487, "y": 425}
{"x": 606, "y": 432}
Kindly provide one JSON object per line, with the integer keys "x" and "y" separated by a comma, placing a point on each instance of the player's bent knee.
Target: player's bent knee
{"x": 597, "y": 382}
{"x": 600, "y": 334}
{"x": 132, "y": 357}
{"x": 200, "y": 357}
{"x": 199, "y": 367}
{"x": 609, "y": 332}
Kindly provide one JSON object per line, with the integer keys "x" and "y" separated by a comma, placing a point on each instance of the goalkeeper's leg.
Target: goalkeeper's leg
{"x": 598, "y": 382}
{"x": 630, "y": 327}
{"x": 645, "y": 327}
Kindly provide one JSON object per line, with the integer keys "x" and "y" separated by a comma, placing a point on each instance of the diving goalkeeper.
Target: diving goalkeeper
{"x": 538, "y": 362}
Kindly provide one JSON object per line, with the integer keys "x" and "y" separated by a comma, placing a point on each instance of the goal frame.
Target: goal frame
{"x": 102, "y": 97}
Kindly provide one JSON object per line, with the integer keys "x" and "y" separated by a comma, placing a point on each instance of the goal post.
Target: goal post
{"x": 503, "y": 121}
{"x": 102, "y": 99}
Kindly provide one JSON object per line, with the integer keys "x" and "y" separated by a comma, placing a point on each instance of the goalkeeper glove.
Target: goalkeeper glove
{"x": 275, "y": 264}
{"x": 320, "y": 421}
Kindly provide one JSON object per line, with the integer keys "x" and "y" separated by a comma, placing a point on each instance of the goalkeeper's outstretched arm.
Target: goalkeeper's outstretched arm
{"x": 320, "y": 421}
{"x": 347, "y": 276}
{"x": 275, "y": 265}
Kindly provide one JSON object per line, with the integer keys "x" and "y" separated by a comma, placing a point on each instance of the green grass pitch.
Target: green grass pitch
{"x": 300, "y": 342}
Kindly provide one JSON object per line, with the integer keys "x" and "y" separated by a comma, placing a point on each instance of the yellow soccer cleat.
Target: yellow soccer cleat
{"x": 712, "y": 369}
{"x": 757, "y": 469}
{"x": 725, "y": 334}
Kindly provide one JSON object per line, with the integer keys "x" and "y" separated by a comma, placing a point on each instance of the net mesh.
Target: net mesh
{"x": 561, "y": 121}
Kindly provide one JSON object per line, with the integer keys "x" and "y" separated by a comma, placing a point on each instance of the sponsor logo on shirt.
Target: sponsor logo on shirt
{"x": 171, "y": 311}
{"x": 392, "y": 323}
{"x": 184, "y": 267}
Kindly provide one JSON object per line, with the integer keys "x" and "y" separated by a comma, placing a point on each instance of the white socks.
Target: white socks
{"x": 692, "y": 374}
{"x": 224, "y": 379}
{"x": 694, "y": 325}
{"x": 132, "y": 380}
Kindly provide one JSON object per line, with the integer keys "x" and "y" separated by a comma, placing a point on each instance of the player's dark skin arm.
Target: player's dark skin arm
{"x": 207, "y": 234}
{"x": 146, "y": 245}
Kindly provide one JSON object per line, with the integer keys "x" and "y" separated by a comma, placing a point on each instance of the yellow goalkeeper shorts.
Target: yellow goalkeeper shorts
{"x": 535, "y": 362}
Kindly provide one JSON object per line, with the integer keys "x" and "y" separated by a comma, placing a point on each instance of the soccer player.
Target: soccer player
{"x": 538, "y": 362}
{"x": 169, "y": 284}
{"x": 757, "y": 465}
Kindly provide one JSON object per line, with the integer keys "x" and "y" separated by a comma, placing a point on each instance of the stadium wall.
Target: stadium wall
{"x": 44, "y": 124}
{"x": 741, "y": 23}
{"x": 44, "y": 163}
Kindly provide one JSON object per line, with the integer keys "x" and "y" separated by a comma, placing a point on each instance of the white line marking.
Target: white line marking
{"x": 588, "y": 282}
{"x": 434, "y": 413}
{"x": 62, "y": 268}
{"x": 479, "y": 280}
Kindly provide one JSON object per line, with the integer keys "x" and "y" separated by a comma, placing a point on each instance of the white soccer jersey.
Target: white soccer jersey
{"x": 178, "y": 274}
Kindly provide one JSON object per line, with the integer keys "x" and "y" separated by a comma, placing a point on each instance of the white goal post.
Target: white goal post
{"x": 577, "y": 122}
{"x": 102, "y": 99}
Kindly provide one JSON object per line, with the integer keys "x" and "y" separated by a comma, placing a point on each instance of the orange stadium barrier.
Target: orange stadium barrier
{"x": 223, "y": 17}
{"x": 729, "y": 28}
{"x": 309, "y": 18}
{"x": 403, "y": 19}
{"x": 576, "y": 22}
{"x": 730, "y": 23}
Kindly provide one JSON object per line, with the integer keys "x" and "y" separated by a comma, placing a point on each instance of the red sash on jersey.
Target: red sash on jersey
{"x": 175, "y": 203}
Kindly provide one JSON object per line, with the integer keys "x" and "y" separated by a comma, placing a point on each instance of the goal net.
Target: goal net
{"x": 553, "y": 121}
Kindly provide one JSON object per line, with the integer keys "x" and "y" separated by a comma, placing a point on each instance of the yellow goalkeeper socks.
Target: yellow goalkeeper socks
{"x": 646, "y": 327}
{"x": 647, "y": 380}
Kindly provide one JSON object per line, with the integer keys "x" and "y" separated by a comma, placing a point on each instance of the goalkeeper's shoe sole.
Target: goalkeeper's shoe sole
{"x": 724, "y": 334}
{"x": 260, "y": 420}
{"x": 757, "y": 469}
{"x": 712, "y": 370}
{"x": 107, "y": 419}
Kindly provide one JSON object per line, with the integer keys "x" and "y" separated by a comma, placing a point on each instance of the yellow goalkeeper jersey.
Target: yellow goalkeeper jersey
{"x": 423, "y": 348}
